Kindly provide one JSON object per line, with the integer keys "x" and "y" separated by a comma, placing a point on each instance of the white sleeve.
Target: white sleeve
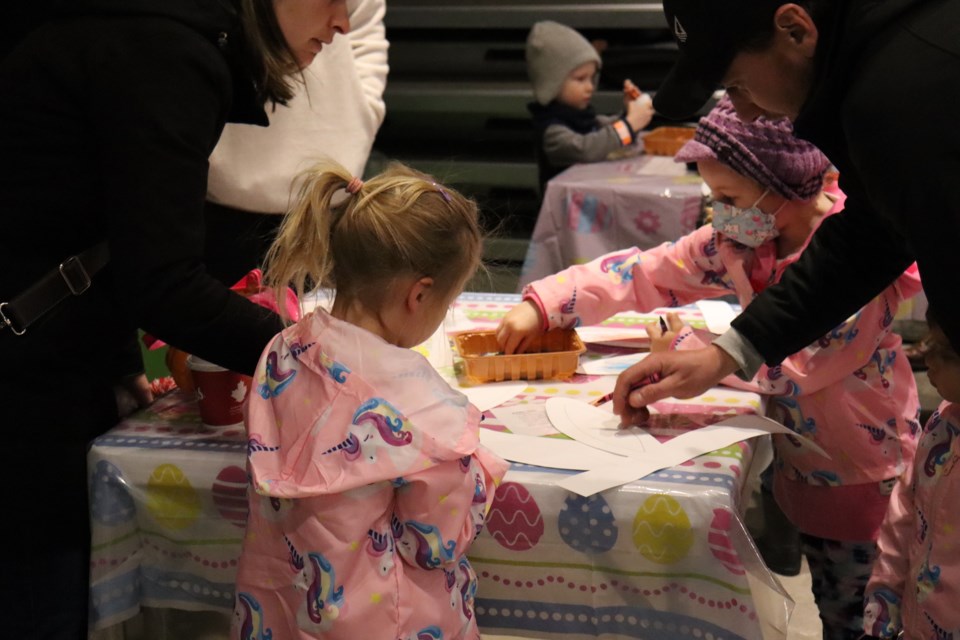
{"x": 368, "y": 40}
{"x": 742, "y": 351}
{"x": 335, "y": 114}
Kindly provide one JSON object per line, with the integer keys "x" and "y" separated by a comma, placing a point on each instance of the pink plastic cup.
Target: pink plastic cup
{"x": 221, "y": 392}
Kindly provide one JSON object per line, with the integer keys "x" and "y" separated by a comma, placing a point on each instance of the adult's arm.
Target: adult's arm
{"x": 154, "y": 124}
{"x": 851, "y": 258}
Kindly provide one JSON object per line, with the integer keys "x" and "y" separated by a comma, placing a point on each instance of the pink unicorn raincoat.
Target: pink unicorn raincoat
{"x": 368, "y": 486}
{"x": 852, "y": 392}
{"x": 915, "y": 584}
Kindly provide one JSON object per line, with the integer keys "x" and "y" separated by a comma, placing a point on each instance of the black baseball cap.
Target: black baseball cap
{"x": 709, "y": 33}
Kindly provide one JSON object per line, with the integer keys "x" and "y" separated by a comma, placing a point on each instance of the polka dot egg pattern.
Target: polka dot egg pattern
{"x": 171, "y": 499}
{"x": 515, "y": 521}
{"x": 661, "y": 530}
{"x": 587, "y": 524}
{"x": 230, "y": 495}
{"x": 110, "y": 502}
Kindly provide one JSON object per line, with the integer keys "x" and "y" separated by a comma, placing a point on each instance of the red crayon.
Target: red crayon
{"x": 651, "y": 379}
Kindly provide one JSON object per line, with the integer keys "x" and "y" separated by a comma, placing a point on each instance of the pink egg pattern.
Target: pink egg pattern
{"x": 720, "y": 544}
{"x": 230, "y": 495}
{"x": 515, "y": 521}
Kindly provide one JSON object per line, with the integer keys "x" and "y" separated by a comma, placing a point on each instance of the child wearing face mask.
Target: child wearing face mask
{"x": 915, "y": 586}
{"x": 563, "y": 67}
{"x": 852, "y": 391}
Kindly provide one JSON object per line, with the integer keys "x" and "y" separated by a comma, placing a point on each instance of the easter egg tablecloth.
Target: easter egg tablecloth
{"x": 665, "y": 557}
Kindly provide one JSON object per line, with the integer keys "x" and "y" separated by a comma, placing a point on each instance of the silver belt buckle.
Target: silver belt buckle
{"x": 73, "y": 264}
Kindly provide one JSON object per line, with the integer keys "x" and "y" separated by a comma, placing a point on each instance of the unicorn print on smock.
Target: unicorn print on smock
{"x": 248, "y": 618}
{"x": 280, "y": 370}
{"x": 915, "y": 586}
{"x": 376, "y": 425}
{"x": 368, "y": 484}
{"x": 323, "y": 597}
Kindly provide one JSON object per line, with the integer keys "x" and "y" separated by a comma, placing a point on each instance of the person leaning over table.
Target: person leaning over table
{"x": 851, "y": 391}
{"x": 876, "y": 86}
{"x": 110, "y": 111}
{"x": 335, "y": 114}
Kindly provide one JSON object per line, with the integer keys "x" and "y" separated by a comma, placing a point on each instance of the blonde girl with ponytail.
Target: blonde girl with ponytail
{"x": 368, "y": 480}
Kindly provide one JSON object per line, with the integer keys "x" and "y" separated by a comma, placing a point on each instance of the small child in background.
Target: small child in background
{"x": 563, "y": 67}
{"x": 915, "y": 586}
{"x": 368, "y": 481}
{"x": 852, "y": 392}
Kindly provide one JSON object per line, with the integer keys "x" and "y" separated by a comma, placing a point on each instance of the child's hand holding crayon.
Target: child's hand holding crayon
{"x": 637, "y": 106}
{"x": 664, "y": 332}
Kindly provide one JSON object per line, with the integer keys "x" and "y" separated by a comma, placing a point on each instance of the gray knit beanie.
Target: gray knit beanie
{"x": 553, "y": 51}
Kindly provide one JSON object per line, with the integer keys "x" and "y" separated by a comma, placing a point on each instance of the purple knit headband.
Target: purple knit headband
{"x": 763, "y": 150}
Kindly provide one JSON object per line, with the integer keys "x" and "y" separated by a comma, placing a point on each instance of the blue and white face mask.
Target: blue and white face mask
{"x": 750, "y": 227}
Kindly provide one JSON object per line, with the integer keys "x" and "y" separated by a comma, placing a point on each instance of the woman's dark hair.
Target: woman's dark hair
{"x": 274, "y": 64}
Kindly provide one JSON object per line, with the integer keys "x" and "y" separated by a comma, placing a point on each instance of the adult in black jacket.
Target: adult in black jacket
{"x": 876, "y": 86}
{"x": 109, "y": 112}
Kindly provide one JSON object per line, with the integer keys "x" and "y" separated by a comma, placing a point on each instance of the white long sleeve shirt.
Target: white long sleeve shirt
{"x": 335, "y": 114}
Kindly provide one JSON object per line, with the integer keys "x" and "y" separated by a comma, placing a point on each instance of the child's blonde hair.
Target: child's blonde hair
{"x": 399, "y": 223}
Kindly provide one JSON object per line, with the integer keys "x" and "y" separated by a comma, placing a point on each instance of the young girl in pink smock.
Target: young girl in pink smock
{"x": 368, "y": 481}
{"x": 852, "y": 392}
{"x": 915, "y": 586}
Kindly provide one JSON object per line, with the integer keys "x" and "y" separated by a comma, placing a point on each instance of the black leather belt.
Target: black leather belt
{"x": 71, "y": 278}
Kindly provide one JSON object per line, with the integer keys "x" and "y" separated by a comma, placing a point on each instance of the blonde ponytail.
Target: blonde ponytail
{"x": 400, "y": 223}
{"x": 300, "y": 256}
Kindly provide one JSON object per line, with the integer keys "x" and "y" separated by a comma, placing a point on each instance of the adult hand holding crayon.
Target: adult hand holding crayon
{"x": 670, "y": 374}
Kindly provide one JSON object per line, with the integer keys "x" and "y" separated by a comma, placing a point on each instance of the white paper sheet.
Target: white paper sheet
{"x": 547, "y": 452}
{"x": 673, "y": 452}
{"x": 525, "y": 419}
{"x": 612, "y": 366}
{"x": 490, "y": 394}
{"x": 717, "y": 314}
{"x": 598, "y": 428}
{"x": 613, "y": 334}
{"x": 661, "y": 166}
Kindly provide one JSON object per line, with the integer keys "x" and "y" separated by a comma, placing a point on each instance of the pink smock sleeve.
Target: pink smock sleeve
{"x": 884, "y": 592}
{"x": 670, "y": 275}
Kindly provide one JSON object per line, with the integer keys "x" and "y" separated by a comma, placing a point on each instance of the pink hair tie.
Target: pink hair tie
{"x": 443, "y": 193}
{"x": 354, "y": 185}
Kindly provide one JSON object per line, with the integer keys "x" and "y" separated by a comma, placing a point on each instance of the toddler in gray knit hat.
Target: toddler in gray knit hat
{"x": 562, "y": 67}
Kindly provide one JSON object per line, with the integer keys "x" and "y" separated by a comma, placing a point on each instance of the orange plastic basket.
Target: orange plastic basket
{"x": 555, "y": 354}
{"x": 666, "y": 141}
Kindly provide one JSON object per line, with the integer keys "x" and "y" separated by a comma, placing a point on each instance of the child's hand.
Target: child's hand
{"x": 661, "y": 339}
{"x": 521, "y": 325}
{"x": 639, "y": 111}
